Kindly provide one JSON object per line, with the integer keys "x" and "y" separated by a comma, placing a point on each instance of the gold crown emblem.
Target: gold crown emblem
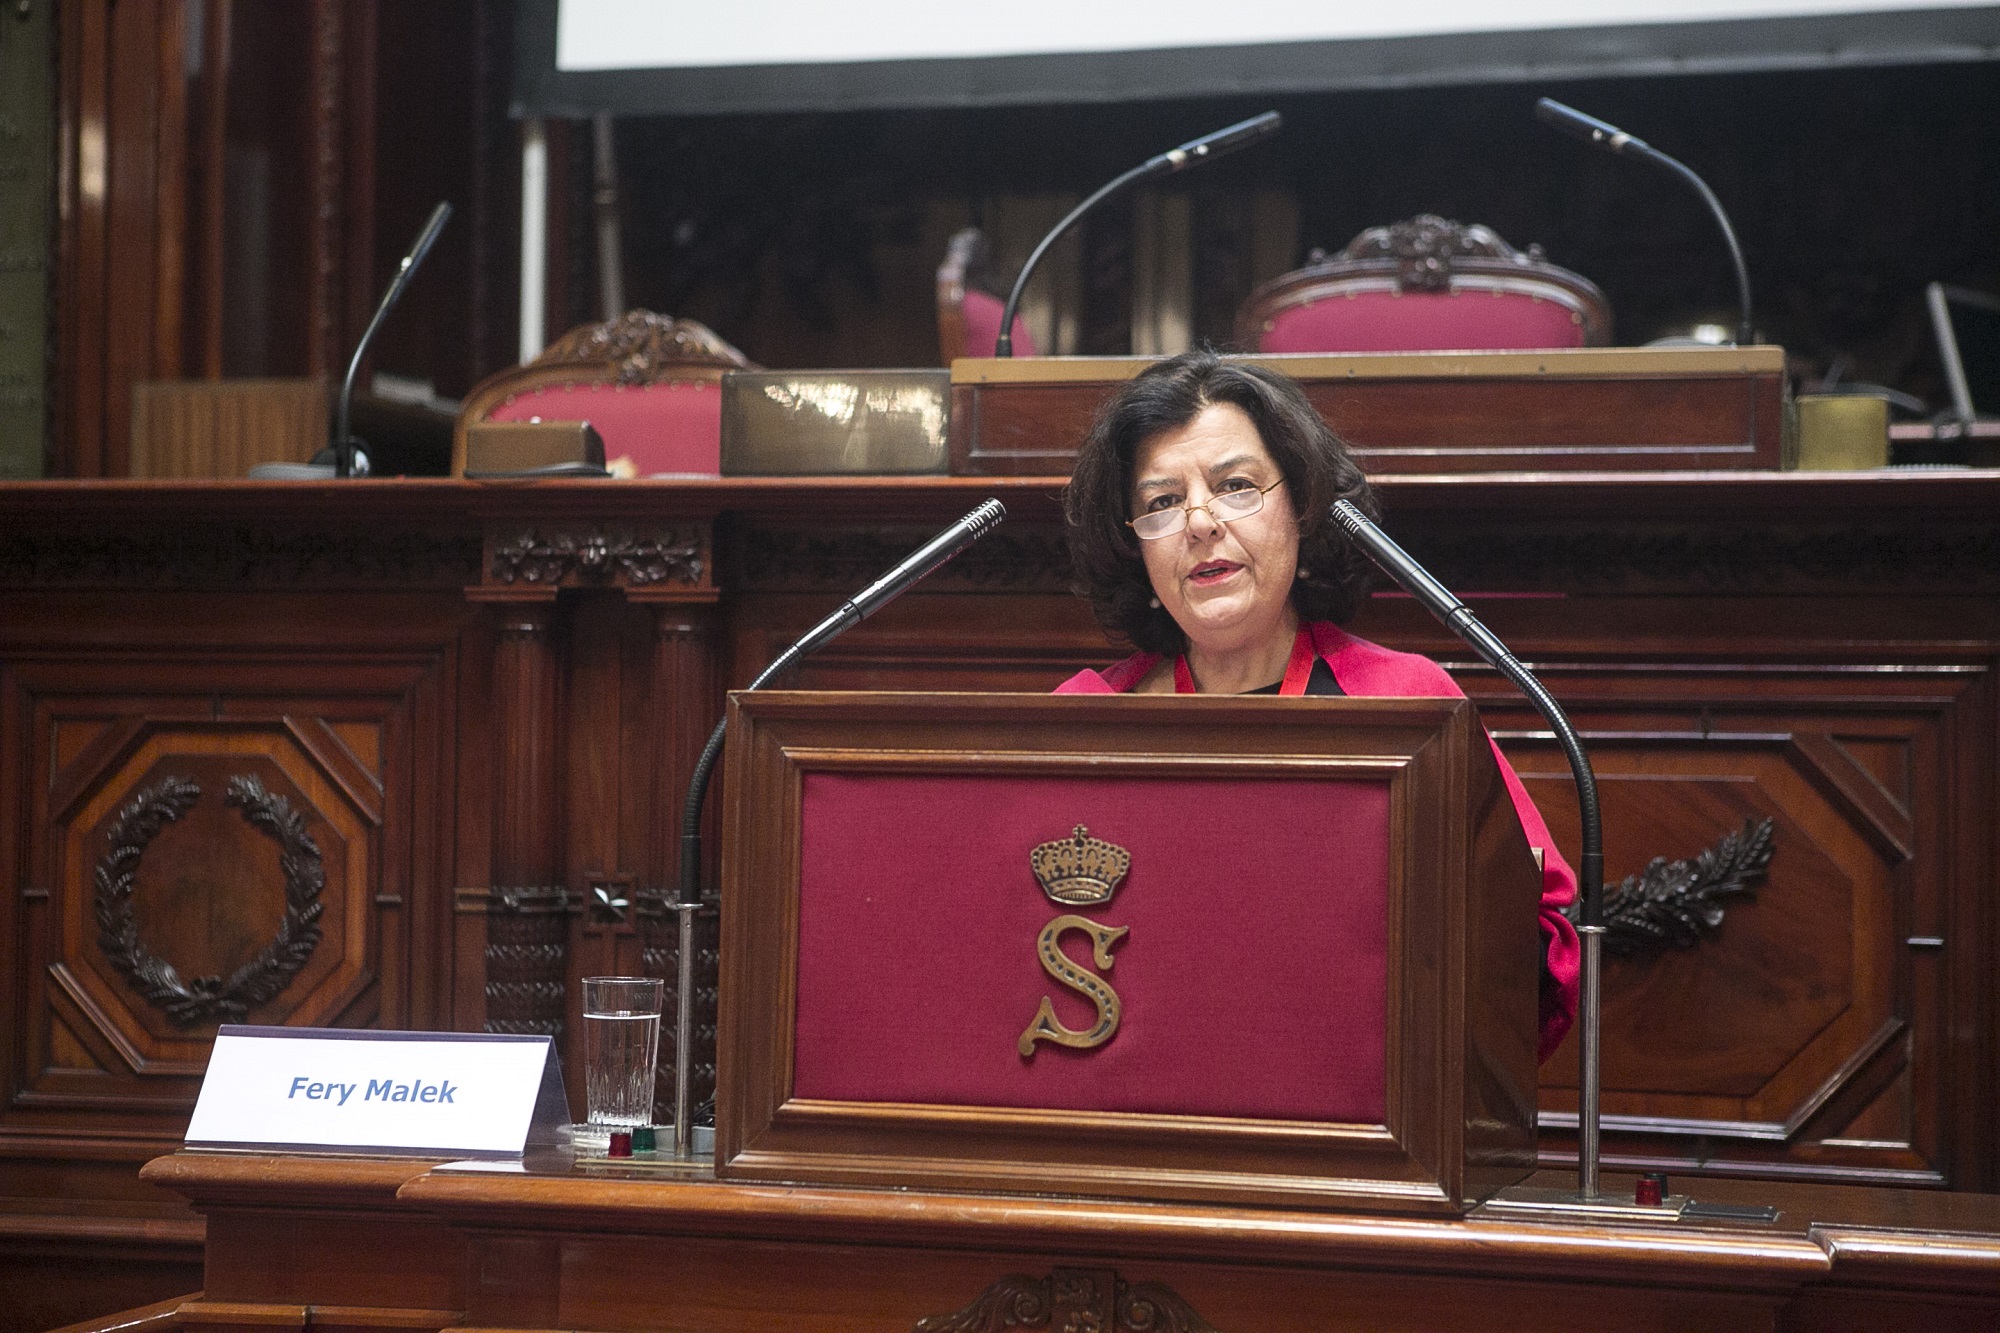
{"x": 1080, "y": 869}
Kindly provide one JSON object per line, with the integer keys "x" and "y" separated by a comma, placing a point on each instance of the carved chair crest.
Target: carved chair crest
{"x": 640, "y": 347}
{"x": 1425, "y": 246}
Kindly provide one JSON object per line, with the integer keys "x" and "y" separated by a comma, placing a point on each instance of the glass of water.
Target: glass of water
{"x": 621, "y": 1040}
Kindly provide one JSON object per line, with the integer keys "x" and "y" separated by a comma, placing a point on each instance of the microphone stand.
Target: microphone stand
{"x": 1192, "y": 153}
{"x": 1614, "y": 140}
{"x": 924, "y": 560}
{"x": 1416, "y": 580}
{"x": 343, "y": 442}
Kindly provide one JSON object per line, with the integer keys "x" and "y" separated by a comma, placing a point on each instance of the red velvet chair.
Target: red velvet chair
{"x": 970, "y": 300}
{"x": 1427, "y": 284}
{"x": 650, "y": 384}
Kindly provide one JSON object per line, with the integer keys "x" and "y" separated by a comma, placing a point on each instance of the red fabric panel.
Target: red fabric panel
{"x": 1253, "y": 981}
{"x": 982, "y": 326}
{"x": 1422, "y": 322}
{"x": 671, "y": 427}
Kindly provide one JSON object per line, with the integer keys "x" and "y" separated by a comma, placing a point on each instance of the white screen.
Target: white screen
{"x": 658, "y": 34}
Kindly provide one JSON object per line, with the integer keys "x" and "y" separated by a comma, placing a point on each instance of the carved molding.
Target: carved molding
{"x": 640, "y": 347}
{"x": 220, "y": 555}
{"x": 599, "y": 556}
{"x": 1425, "y": 246}
{"x": 1072, "y": 1300}
{"x": 1678, "y": 904}
{"x": 1711, "y": 556}
{"x": 200, "y": 1000}
{"x": 527, "y": 958}
{"x": 1021, "y": 559}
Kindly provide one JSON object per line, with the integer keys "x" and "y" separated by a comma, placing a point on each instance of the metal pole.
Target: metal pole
{"x": 1590, "y": 1016}
{"x": 684, "y": 1033}
{"x": 610, "y": 260}
{"x": 534, "y": 236}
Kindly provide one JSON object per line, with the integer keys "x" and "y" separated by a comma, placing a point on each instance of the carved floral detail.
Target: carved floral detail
{"x": 641, "y": 347}
{"x": 1072, "y": 1300}
{"x": 1425, "y": 246}
{"x": 598, "y": 557}
{"x": 1678, "y": 904}
{"x": 527, "y": 958}
{"x": 194, "y": 1001}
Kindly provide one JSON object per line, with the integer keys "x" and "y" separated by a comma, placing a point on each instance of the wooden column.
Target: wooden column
{"x": 686, "y": 702}
{"x": 528, "y": 910}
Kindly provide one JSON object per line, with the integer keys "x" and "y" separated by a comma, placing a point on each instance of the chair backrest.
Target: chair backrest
{"x": 650, "y": 384}
{"x": 969, "y": 308}
{"x": 1426, "y": 284}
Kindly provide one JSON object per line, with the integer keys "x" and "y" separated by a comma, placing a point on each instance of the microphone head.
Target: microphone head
{"x": 428, "y": 236}
{"x": 1349, "y": 518}
{"x": 985, "y": 518}
{"x": 1226, "y": 140}
{"x": 1587, "y": 128}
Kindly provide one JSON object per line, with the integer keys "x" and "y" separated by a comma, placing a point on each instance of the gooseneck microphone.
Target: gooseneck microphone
{"x": 1417, "y": 581}
{"x": 1192, "y": 153}
{"x": 925, "y": 560}
{"x": 344, "y": 451}
{"x": 1614, "y": 140}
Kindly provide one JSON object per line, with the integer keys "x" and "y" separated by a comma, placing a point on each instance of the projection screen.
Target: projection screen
{"x": 655, "y": 57}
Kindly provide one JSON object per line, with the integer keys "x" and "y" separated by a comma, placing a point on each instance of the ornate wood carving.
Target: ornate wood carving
{"x": 1023, "y": 559}
{"x": 1425, "y": 246}
{"x": 1678, "y": 904}
{"x": 599, "y": 555}
{"x": 527, "y": 957}
{"x": 239, "y": 555}
{"x": 640, "y": 347}
{"x": 1072, "y": 1300}
{"x": 1713, "y": 556}
{"x": 198, "y": 1000}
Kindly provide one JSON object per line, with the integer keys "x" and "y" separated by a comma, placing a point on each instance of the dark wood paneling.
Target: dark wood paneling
{"x": 1819, "y": 650}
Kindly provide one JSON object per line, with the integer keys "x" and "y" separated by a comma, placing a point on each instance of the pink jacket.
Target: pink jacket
{"x": 1363, "y": 668}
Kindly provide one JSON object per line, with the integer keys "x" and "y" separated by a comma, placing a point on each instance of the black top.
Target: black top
{"x": 1321, "y": 681}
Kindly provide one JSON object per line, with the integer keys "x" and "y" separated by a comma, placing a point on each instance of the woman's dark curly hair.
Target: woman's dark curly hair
{"x": 1318, "y": 470}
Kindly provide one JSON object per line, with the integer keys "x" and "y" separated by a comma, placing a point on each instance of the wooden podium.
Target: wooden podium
{"x": 882, "y": 851}
{"x": 1302, "y": 949}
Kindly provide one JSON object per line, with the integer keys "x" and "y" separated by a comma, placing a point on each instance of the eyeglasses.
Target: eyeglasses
{"x": 1222, "y": 507}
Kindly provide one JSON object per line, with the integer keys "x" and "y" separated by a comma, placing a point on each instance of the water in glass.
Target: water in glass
{"x": 621, "y": 1039}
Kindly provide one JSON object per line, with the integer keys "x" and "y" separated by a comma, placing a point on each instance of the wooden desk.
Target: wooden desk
{"x": 484, "y": 701}
{"x": 301, "y": 1243}
{"x": 1624, "y": 409}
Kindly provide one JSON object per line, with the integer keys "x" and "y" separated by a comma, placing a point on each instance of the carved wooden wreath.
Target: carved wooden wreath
{"x": 198, "y": 1000}
{"x": 1678, "y": 904}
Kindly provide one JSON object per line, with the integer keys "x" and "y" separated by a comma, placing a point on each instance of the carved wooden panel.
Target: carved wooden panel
{"x": 1072, "y": 1298}
{"x": 233, "y": 841}
{"x": 1806, "y": 1032}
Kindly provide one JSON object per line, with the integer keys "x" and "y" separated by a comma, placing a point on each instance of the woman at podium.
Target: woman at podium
{"x": 1198, "y": 521}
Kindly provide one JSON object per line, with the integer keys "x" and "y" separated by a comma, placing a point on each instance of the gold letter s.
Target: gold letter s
{"x": 1091, "y": 986}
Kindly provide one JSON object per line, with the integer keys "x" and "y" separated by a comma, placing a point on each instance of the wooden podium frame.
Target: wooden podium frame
{"x": 1463, "y": 953}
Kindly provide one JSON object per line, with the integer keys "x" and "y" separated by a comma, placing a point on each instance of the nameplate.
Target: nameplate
{"x": 348, "y": 1090}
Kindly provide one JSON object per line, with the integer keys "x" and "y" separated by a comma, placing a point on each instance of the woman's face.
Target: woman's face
{"x": 1227, "y": 585}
